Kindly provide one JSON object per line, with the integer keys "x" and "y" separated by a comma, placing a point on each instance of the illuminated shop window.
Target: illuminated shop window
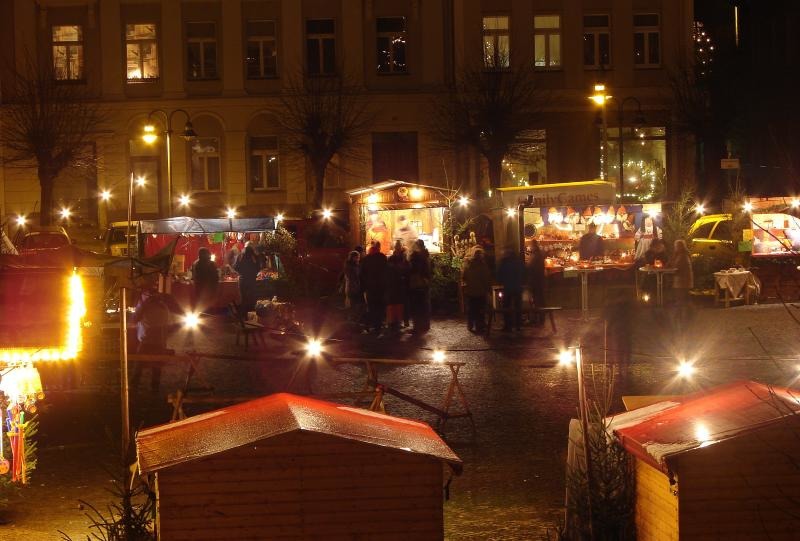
{"x": 644, "y": 159}
{"x": 547, "y": 41}
{"x": 262, "y": 50}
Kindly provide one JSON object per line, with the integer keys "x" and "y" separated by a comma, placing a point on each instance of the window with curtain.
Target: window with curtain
{"x": 496, "y": 42}
{"x": 547, "y": 41}
{"x": 141, "y": 52}
{"x": 68, "y": 52}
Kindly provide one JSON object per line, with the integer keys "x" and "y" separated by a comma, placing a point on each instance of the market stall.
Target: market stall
{"x": 224, "y": 238}
{"x": 393, "y": 210}
{"x": 557, "y": 215}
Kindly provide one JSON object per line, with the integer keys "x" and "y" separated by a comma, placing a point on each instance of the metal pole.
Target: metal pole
{"x": 584, "y": 413}
{"x": 128, "y": 229}
{"x": 605, "y": 142}
{"x": 126, "y": 421}
{"x": 621, "y": 145}
{"x": 169, "y": 168}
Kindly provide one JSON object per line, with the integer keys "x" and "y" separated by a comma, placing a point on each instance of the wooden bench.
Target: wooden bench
{"x": 245, "y": 328}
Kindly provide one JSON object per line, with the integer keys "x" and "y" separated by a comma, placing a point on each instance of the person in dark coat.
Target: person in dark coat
{"x": 591, "y": 244}
{"x": 247, "y": 266}
{"x": 396, "y": 286}
{"x": 536, "y": 278}
{"x": 477, "y": 282}
{"x": 352, "y": 280}
{"x": 419, "y": 287}
{"x": 373, "y": 284}
{"x": 206, "y": 280}
{"x": 511, "y": 275}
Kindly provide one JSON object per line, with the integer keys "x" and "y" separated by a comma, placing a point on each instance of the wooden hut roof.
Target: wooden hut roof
{"x": 662, "y": 431}
{"x": 242, "y": 424}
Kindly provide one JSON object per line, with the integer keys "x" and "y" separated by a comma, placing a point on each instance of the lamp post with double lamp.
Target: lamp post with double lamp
{"x": 601, "y": 98}
{"x": 150, "y": 136}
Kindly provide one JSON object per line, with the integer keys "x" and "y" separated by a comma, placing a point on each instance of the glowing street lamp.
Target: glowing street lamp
{"x": 511, "y": 212}
{"x": 149, "y": 136}
{"x": 748, "y": 206}
{"x": 463, "y": 200}
{"x": 599, "y": 97}
{"x": 65, "y": 213}
{"x": 439, "y": 356}
{"x": 22, "y": 220}
{"x": 230, "y": 213}
{"x": 326, "y": 214}
{"x": 105, "y": 195}
{"x": 279, "y": 218}
{"x": 699, "y": 208}
{"x": 184, "y": 200}
{"x": 686, "y": 369}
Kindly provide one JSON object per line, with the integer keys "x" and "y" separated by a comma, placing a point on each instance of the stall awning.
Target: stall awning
{"x": 590, "y": 192}
{"x": 186, "y": 224}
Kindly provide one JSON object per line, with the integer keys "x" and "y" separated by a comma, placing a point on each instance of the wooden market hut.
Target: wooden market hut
{"x": 296, "y": 468}
{"x": 721, "y": 464}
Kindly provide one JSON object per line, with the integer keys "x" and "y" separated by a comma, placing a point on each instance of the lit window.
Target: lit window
{"x": 321, "y": 47}
{"x": 547, "y": 41}
{"x": 596, "y": 41}
{"x": 141, "y": 52}
{"x": 205, "y": 164}
{"x": 68, "y": 52}
{"x": 201, "y": 49}
{"x": 262, "y": 50}
{"x": 391, "y": 44}
{"x": 646, "y": 40}
{"x": 644, "y": 158}
{"x": 496, "y": 42}
{"x": 264, "y": 163}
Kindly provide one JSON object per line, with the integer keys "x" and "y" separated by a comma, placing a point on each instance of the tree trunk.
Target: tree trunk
{"x": 46, "y": 191}
{"x": 495, "y": 172}
{"x": 319, "y": 186}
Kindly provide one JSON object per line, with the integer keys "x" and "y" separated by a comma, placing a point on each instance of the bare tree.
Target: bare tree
{"x": 489, "y": 109}
{"x": 323, "y": 118}
{"x": 50, "y": 125}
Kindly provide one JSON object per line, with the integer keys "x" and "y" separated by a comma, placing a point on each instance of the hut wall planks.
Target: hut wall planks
{"x": 656, "y": 506}
{"x": 303, "y": 485}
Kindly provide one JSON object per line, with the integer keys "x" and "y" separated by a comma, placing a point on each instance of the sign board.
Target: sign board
{"x": 729, "y": 163}
{"x": 562, "y": 195}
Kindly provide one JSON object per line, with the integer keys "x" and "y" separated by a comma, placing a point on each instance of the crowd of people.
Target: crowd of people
{"x": 391, "y": 292}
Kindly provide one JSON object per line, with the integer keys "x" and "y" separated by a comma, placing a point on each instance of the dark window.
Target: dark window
{"x": 646, "y": 40}
{"x": 394, "y": 156}
{"x": 264, "y": 163}
{"x": 201, "y": 50}
{"x": 205, "y": 164}
{"x": 262, "y": 50}
{"x": 391, "y": 44}
{"x": 596, "y": 41}
{"x": 321, "y": 47}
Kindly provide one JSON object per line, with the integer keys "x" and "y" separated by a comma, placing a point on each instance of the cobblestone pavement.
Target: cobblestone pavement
{"x": 513, "y": 481}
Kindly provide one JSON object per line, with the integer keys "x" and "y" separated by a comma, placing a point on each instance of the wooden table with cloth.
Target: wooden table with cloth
{"x": 736, "y": 285}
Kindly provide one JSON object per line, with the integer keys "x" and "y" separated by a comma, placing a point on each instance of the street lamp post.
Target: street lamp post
{"x": 601, "y": 98}
{"x": 150, "y": 136}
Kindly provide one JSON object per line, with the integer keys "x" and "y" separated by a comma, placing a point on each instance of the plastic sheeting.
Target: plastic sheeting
{"x": 187, "y": 224}
{"x": 228, "y": 428}
{"x": 702, "y": 419}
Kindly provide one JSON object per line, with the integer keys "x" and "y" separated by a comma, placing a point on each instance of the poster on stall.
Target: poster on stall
{"x": 405, "y": 225}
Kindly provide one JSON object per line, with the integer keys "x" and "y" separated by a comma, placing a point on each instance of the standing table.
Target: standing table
{"x": 583, "y": 273}
{"x": 659, "y": 272}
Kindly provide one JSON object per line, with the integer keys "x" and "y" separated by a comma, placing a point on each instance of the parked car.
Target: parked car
{"x": 712, "y": 236}
{"x": 46, "y": 246}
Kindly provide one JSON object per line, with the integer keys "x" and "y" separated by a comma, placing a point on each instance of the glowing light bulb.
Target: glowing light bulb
{"x": 65, "y": 213}
{"x": 279, "y": 217}
{"x": 149, "y": 135}
{"x": 184, "y": 200}
{"x": 105, "y": 195}
{"x": 314, "y": 347}
{"x": 231, "y": 213}
{"x": 21, "y": 220}
{"x": 748, "y": 206}
{"x": 326, "y": 214}
{"x": 141, "y": 181}
{"x": 439, "y": 356}
{"x": 686, "y": 369}
{"x": 565, "y": 357}
{"x": 463, "y": 200}
{"x": 511, "y": 212}
{"x": 191, "y": 320}
{"x": 699, "y": 208}
{"x": 795, "y": 203}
